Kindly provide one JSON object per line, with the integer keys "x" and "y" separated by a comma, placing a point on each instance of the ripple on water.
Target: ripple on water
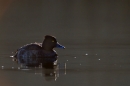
{"x": 86, "y": 54}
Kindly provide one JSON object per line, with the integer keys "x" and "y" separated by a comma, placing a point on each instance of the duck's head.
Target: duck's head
{"x": 50, "y": 42}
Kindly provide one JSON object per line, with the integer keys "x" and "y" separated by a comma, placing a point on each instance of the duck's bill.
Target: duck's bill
{"x": 59, "y": 46}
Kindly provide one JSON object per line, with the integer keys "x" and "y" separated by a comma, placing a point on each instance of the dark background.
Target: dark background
{"x": 103, "y": 22}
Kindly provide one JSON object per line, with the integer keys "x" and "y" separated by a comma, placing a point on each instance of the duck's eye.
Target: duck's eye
{"x": 52, "y": 40}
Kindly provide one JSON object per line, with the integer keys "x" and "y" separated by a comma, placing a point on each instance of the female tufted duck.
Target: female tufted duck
{"x": 35, "y": 53}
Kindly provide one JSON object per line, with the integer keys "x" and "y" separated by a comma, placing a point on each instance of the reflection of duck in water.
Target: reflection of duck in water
{"x": 52, "y": 73}
{"x": 36, "y": 53}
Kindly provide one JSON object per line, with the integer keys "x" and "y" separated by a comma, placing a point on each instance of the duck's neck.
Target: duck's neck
{"x": 47, "y": 48}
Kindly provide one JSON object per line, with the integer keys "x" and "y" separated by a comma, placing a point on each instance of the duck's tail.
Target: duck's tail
{"x": 14, "y": 57}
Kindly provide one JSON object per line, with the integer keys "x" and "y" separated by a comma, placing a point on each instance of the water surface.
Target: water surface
{"x": 93, "y": 65}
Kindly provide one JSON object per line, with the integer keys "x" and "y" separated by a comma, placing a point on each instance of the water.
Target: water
{"x": 95, "y": 34}
{"x": 102, "y": 66}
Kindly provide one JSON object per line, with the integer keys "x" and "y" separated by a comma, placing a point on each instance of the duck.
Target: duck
{"x": 34, "y": 54}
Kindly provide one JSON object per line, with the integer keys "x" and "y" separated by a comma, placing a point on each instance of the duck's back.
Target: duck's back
{"x": 32, "y": 46}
